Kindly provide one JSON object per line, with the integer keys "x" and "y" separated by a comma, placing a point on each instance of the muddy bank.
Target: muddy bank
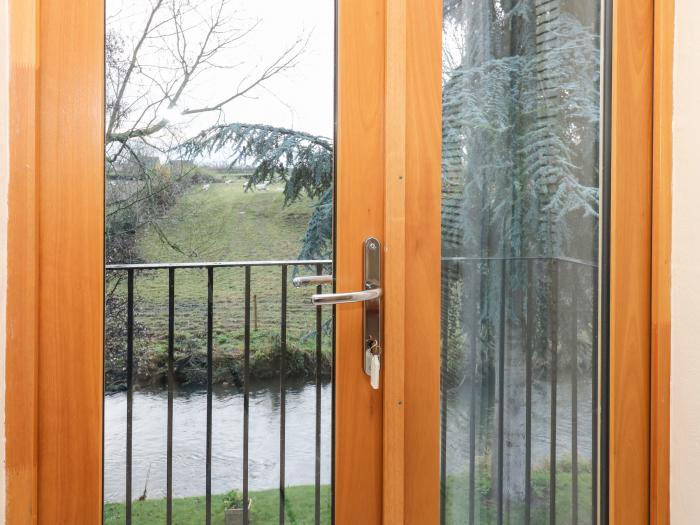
{"x": 190, "y": 365}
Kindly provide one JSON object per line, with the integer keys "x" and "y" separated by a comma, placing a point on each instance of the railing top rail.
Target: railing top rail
{"x": 221, "y": 264}
{"x": 310, "y": 262}
{"x": 571, "y": 260}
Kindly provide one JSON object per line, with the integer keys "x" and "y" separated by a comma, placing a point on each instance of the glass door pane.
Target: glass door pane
{"x": 219, "y": 172}
{"x": 520, "y": 242}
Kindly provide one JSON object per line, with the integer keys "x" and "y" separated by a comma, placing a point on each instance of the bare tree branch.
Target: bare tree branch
{"x": 130, "y": 69}
{"x": 173, "y": 82}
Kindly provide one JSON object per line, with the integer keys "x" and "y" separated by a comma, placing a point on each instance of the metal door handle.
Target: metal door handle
{"x": 312, "y": 280}
{"x": 371, "y": 297}
{"x": 321, "y": 299}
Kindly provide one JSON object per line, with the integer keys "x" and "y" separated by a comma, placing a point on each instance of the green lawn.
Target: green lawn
{"x": 299, "y": 509}
{"x": 299, "y": 502}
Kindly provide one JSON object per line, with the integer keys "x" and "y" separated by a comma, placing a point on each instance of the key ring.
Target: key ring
{"x": 374, "y": 347}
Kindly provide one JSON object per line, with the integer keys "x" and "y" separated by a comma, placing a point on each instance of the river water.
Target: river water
{"x": 189, "y": 439}
{"x": 189, "y": 434}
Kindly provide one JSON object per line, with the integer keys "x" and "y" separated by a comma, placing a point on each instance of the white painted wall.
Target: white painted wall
{"x": 4, "y": 176}
{"x": 685, "y": 264}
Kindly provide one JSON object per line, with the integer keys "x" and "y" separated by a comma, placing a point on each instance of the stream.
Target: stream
{"x": 189, "y": 439}
{"x": 189, "y": 435}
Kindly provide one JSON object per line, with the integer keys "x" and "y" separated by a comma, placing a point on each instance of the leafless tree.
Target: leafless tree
{"x": 156, "y": 71}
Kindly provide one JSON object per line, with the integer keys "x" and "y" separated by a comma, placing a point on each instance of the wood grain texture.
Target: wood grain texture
{"x": 71, "y": 265}
{"x": 21, "y": 416}
{"x": 359, "y": 214}
{"x": 394, "y": 280}
{"x": 423, "y": 201}
{"x": 661, "y": 261}
{"x": 630, "y": 263}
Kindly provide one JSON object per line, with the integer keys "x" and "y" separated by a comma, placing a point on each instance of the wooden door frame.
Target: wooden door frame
{"x": 640, "y": 254}
{"x": 627, "y": 415}
{"x": 53, "y": 415}
{"x": 55, "y": 260}
{"x": 636, "y": 313}
{"x": 54, "y": 87}
{"x": 412, "y": 179}
{"x": 664, "y": 12}
{"x": 21, "y": 409}
{"x": 359, "y": 213}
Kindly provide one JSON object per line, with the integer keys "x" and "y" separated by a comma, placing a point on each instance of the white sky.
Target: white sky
{"x": 301, "y": 98}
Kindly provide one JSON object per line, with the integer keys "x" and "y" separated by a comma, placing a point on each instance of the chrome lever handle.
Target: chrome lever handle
{"x": 321, "y": 299}
{"x": 371, "y": 299}
{"x": 312, "y": 280}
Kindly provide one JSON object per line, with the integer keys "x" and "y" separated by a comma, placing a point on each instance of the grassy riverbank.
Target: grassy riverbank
{"x": 299, "y": 509}
{"x": 299, "y": 502}
{"x": 219, "y": 222}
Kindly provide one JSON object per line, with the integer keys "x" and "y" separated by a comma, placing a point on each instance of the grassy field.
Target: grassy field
{"x": 225, "y": 222}
{"x": 299, "y": 502}
{"x": 299, "y": 509}
{"x": 222, "y": 222}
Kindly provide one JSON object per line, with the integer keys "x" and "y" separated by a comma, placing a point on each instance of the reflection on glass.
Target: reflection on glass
{"x": 218, "y": 130}
{"x": 520, "y": 228}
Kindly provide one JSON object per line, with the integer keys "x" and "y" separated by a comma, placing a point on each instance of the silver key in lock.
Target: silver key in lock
{"x": 373, "y": 361}
{"x": 370, "y": 345}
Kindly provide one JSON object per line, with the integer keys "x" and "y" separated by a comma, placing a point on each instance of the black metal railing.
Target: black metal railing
{"x": 502, "y": 295}
{"x": 132, "y": 271}
{"x": 558, "y": 288}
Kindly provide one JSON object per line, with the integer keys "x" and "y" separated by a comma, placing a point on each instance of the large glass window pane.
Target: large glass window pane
{"x": 520, "y": 237}
{"x": 219, "y": 123}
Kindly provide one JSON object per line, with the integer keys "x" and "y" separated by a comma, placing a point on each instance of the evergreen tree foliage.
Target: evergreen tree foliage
{"x": 519, "y": 104}
{"x": 301, "y": 161}
{"x": 516, "y": 112}
{"x": 520, "y": 162}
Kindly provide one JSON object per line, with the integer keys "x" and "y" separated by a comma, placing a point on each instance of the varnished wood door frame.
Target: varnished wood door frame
{"x": 636, "y": 374}
{"x": 21, "y": 408}
{"x": 627, "y": 414}
{"x": 640, "y": 278}
{"x": 422, "y": 81}
{"x": 55, "y": 294}
{"x": 55, "y": 263}
{"x": 55, "y": 250}
{"x": 359, "y": 213}
{"x": 664, "y": 12}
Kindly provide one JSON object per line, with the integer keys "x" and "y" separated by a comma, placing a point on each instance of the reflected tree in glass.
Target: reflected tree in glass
{"x": 520, "y": 203}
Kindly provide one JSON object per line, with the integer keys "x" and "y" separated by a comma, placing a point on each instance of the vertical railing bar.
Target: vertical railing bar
{"x": 554, "y": 342}
{"x": 529, "y": 343}
{"x": 333, "y": 398}
{"x": 246, "y": 394}
{"x": 171, "y": 382}
{"x": 574, "y": 396}
{"x": 283, "y": 372}
{"x": 129, "y": 390}
{"x": 594, "y": 397}
{"x": 210, "y": 379}
{"x": 501, "y": 388}
{"x": 472, "y": 415}
{"x": 319, "y": 349}
{"x": 444, "y": 330}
